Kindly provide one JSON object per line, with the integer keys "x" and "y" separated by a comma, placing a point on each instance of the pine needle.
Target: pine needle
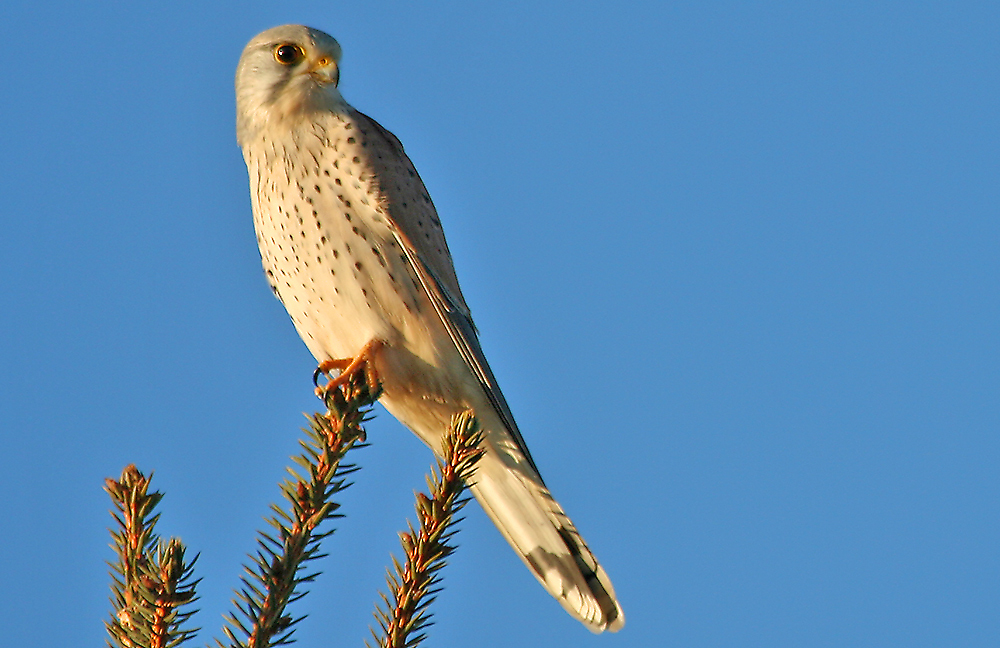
{"x": 414, "y": 583}
{"x": 151, "y": 581}
{"x": 273, "y": 577}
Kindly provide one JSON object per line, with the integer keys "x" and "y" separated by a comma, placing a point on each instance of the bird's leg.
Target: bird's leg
{"x": 347, "y": 368}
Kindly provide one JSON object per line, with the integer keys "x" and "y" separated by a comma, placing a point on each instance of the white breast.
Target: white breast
{"x": 327, "y": 248}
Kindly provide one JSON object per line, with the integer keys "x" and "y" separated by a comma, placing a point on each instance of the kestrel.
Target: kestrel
{"x": 352, "y": 246}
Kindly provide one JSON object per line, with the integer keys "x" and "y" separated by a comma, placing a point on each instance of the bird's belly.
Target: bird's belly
{"x": 345, "y": 282}
{"x": 334, "y": 261}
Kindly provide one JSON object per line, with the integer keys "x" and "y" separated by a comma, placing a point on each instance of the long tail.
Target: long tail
{"x": 544, "y": 537}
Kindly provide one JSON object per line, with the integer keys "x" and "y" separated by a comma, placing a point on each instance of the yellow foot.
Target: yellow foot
{"x": 347, "y": 368}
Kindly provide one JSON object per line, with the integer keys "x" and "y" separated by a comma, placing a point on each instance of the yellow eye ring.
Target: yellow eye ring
{"x": 288, "y": 54}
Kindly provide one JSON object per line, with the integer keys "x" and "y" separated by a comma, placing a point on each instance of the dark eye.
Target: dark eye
{"x": 288, "y": 54}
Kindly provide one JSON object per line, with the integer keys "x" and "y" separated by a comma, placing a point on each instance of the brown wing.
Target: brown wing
{"x": 408, "y": 204}
{"x": 419, "y": 233}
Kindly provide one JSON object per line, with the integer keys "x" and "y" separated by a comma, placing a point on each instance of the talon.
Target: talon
{"x": 348, "y": 367}
{"x": 326, "y": 366}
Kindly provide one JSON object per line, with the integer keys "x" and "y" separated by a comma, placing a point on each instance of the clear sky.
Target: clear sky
{"x": 734, "y": 264}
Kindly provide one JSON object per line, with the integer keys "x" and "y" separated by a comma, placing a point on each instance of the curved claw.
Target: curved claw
{"x": 347, "y": 367}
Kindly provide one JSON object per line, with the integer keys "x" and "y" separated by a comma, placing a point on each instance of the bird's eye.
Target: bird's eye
{"x": 288, "y": 54}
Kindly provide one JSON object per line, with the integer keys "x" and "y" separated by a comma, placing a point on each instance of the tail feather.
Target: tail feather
{"x": 544, "y": 537}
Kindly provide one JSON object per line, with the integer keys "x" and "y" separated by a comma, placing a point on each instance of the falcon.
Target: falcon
{"x": 353, "y": 248}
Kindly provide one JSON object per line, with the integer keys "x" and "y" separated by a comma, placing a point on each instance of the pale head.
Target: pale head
{"x": 283, "y": 73}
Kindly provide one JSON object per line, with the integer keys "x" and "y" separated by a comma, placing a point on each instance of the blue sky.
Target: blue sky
{"x": 734, "y": 264}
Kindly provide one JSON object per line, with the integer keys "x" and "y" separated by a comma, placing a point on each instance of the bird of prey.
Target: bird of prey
{"x": 352, "y": 246}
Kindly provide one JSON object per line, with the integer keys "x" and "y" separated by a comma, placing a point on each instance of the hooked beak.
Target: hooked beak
{"x": 325, "y": 71}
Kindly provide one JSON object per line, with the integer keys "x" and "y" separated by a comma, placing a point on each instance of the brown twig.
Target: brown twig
{"x": 273, "y": 581}
{"x": 412, "y": 586}
{"x": 150, "y": 581}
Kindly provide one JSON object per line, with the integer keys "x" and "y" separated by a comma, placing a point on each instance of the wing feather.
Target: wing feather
{"x": 421, "y": 238}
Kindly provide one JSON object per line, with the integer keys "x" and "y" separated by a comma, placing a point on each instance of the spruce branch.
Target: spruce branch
{"x": 413, "y": 585}
{"x": 151, "y": 582}
{"x": 274, "y": 579}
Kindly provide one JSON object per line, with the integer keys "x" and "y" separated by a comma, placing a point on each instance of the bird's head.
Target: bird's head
{"x": 285, "y": 71}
